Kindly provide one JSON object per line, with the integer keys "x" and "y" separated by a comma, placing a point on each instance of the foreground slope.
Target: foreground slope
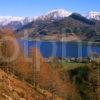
{"x": 13, "y": 89}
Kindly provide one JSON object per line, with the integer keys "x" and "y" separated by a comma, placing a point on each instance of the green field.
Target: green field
{"x": 72, "y": 65}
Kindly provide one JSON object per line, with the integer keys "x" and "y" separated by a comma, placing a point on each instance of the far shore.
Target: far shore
{"x": 78, "y": 41}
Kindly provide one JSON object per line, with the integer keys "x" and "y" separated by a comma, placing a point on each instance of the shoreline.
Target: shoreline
{"x": 83, "y": 42}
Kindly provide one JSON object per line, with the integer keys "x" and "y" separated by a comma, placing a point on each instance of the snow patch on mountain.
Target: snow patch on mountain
{"x": 93, "y": 15}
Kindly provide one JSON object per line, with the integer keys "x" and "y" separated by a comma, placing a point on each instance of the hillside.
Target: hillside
{"x": 13, "y": 89}
{"x": 36, "y": 71}
{"x": 26, "y": 78}
{"x": 76, "y": 24}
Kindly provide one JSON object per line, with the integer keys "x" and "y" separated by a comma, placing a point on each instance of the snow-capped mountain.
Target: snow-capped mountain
{"x": 55, "y": 14}
{"x": 5, "y": 20}
{"x": 94, "y": 15}
{"x": 16, "y": 22}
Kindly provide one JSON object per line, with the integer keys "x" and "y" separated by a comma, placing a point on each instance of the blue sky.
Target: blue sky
{"x": 38, "y": 7}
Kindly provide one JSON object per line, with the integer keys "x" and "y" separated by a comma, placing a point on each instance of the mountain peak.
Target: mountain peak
{"x": 55, "y": 14}
{"x": 59, "y": 13}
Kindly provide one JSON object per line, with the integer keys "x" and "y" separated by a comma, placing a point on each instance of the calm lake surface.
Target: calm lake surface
{"x": 60, "y": 49}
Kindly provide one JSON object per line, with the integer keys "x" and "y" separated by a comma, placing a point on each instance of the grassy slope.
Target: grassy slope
{"x": 72, "y": 65}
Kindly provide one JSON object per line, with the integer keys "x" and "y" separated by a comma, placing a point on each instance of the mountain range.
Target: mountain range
{"x": 54, "y": 23}
{"x": 16, "y": 22}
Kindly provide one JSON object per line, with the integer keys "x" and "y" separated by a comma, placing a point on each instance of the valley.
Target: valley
{"x": 37, "y": 79}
